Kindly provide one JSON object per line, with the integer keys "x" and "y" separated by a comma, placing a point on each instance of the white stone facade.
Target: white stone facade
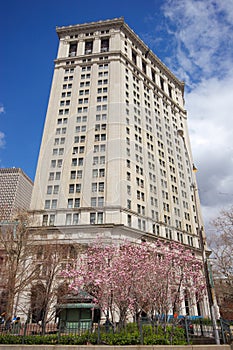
{"x": 110, "y": 152}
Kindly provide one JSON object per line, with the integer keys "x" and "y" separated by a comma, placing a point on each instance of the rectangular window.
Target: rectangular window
{"x": 101, "y": 186}
{"x": 71, "y": 188}
{"x": 49, "y": 189}
{"x": 77, "y": 202}
{"x": 68, "y": 219}
{"x": 104, "y": 45}
{"x": 88, "y": 47}
{"x": 93, "y": 201}
{"x": 79, "y": 174}
{"x": 78, "y": 188}
{"x": 54, "y": 204}
{"x": 134, "y": 57}
{"x": 47, "y": 204}
{"x": 101, "y": 172}
{"x": 55, "y": 189}
{"x": 45, "y": 220}
{"x": 80, "y": 161}
{"x": 70, "y": 203}
{"x": 100, "y": 217}
{"x": 92, "y": 218}
{"x": 73, "y": 174}
{"x": 94, "y": 187}
{"x": 75, "y": 219}
{"x": 51, "y": 220}
{"x": 129, "y": 220}
{"x": 95, "y": 173}
{"x": 72, "y": 49}
{"x": 100, "y": 201}
{"x": 51, "y": 176}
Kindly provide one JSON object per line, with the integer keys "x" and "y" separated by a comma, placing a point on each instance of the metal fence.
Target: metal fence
{"x": 196, "y": 331}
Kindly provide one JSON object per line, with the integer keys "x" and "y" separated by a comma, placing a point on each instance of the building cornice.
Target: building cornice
{"x": 119, "y": 23}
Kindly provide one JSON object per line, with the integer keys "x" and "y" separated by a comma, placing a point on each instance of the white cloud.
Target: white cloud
{"x": 210, "y": 107}
{"x": 2, "y": 110}
{"x": 200, "y": 53}
{"x": 2, "y": 135}
{"x": 2, "y": 139}
{"x": 202, "y": 30}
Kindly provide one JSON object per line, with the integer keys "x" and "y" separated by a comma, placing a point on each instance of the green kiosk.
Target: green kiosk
{"x": 77, "y": 313}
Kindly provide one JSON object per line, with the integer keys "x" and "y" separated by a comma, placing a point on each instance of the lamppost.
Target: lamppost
{"x": 202, "y": 245}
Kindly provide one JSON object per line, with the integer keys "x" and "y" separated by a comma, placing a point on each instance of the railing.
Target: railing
{"x": 195, "y": 331}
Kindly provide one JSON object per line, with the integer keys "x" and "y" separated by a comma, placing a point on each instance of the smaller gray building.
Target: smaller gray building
{"x": 15, "y": 192}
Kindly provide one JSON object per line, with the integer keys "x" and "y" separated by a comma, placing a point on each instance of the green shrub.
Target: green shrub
{"x": 10, "y": 339}
{"x": 154, "y": 339}
{"x": 129, "y": 336}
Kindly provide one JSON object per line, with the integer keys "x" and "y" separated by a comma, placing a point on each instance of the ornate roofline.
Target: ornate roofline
{"x": 119, "y": 23}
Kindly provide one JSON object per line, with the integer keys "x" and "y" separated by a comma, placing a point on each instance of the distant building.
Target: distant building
{"x": 15, "y": 192}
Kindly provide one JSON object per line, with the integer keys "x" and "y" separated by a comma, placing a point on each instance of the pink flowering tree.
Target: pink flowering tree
{"x": 129, "y": 279}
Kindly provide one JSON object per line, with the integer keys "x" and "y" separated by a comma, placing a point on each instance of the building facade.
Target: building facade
{"x": 115, "y": 154}
{"x": 15, "y": 192}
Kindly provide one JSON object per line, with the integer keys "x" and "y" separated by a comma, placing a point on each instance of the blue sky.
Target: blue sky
{"x": 193, "y": 37}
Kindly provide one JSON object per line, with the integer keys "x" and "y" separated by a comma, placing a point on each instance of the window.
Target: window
{"x": 95, "y": 160}
{"x": 101, "y": 172}
{"x": 55, "y": 189}
{"x": 100, "y": 202}
{"x": 101, "y": 186}
{"x": 59, "y": 163}
{"x": 72, "y": 49}
{"x": 95, "y": 173}
{"x": 47, "y": 204}
{"x": 88, "y": 47}
{"x": 104, "y": 45}
{"x": 92, "y": 218}
{"x": 80, "y": 161}
{"x": 75, "y": 219}
{"x": 49, "y": 189}
{"x": 68, "y": 219}
{"x": 51, "y": 220}
{"x": 70, "y": 203}
{"x": 71, "y": 188}
{"x": 134, "y": 57}
{"x": 77, "y": 202}
{"x": 79, "y": 174}
{"x": 94, "y": 187}
{"x": 129, "y": 220}
{"x": 72, "y": 175}
{"x": 144, "y": 67}
{"x": 45, "y": 220}
{"x": 51, "y": 176}
{"x": 54, "y": 204}
{"x": 100, "y": 217}
{"x": 93, "y": 201}
{"x": 74, "y": 161}
{"x": 102, "y": 160}
{"x": 78, "y": 188}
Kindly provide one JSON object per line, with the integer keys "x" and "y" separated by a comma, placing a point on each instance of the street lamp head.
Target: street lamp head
{"x": 180, "y": 133}
{"x": 194, "y": 169}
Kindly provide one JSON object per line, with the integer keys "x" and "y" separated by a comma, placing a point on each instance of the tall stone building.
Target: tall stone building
{"x": 15, "y": 192}
{"x": 115, "y": 156}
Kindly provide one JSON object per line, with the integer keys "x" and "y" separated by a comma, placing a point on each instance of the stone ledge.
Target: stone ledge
{"x": 106, "y": 347}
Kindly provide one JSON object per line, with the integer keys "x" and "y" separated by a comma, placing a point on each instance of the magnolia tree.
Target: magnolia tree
{"x": 133, "y": 278}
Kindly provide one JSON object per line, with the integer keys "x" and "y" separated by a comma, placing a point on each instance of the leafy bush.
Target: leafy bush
{"x": 10, "y": 339}
{"x": 129, "y": 336}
